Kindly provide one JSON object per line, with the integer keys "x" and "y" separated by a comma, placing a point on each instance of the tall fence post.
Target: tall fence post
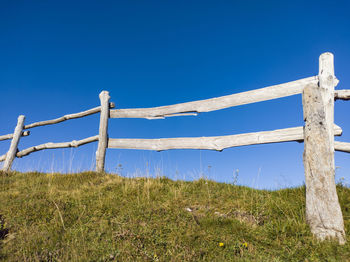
{"x": 11, "y": 154}
{"x": 323, "y": 213}
{"x": 103, "y": 136}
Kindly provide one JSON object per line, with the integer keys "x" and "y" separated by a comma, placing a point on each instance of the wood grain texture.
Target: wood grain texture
{"x": 213, "y": 143}
{"x": 290, "y": 134}
{"x": 326, "y": 86}
{"x": 11, "y": 153}
{"x": 253, "y": 96}
{"x": 103, "y": 131}
{"x": 10, "y": 136}
{"x": 50, "y": 145}
{"x": 342, "y": 94}
{"x": 342, "y": 146}
{"x": 323, "y": 213}
{"x": 67, "y": 117}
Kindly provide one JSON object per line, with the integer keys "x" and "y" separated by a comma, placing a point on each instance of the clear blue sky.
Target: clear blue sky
{"x": 57, "y": 56}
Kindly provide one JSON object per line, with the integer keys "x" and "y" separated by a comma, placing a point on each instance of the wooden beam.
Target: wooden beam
{"x": 323, "y": 213}
{"x": 50, "y": 145}
{"x": 214, "y": 143}
{"x": 342, "y": 146}
{"x": 207, "y": 105}
{"x": 67, "y": 117}
{"x": 11, "y": 154}
{"x": 339, "y": 146}
{"x": 342, "y": 94}
{"x": 103, "y": 131}
{"x": 10, "y": 136}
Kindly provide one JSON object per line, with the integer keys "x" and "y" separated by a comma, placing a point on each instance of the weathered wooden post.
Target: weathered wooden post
{"x": 11, "y": 154}
{"x": 103, "y": 136}
{"x": 323, "y": 213}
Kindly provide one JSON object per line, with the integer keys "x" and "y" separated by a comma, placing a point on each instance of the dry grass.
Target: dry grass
{"x": 101, "y": 217}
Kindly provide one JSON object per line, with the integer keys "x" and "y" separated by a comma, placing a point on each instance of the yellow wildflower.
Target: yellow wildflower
{"x": 221, "y": 244}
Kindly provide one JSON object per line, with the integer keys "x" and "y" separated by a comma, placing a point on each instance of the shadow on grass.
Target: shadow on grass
{"x": 3, "y": 230}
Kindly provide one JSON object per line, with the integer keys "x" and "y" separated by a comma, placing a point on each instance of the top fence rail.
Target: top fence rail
{"x": 67, "y": 117}
{"x": 217, "y": 103}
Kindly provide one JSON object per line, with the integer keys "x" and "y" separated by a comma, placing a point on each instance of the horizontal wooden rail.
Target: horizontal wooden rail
{"x": 10, "y": 136}
{"x": 67, "y": 117}
{"x": 342, "y": 94}
{"x": 50, "y": 145}
{"x": 342, "y": 146}
{"x": 207, "y": 105}
{"x": 214, "y": 143}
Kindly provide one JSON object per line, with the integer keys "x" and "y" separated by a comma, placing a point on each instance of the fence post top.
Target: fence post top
{"x": 104, "y": 94}
{"x": 326, "y": 64}
{"x": 326, "y": 54}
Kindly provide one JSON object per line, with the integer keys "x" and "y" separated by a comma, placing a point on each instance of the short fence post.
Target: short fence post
{"x": 323, "y": 213}
{"x": 103, "y": 136}
{"x": 11, "y": 154}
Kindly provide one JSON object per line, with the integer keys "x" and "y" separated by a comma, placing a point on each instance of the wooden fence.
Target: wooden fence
{"x": 318, "y": 96}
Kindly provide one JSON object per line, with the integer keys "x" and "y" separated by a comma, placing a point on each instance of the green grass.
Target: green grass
{"x": 101, "y": 217}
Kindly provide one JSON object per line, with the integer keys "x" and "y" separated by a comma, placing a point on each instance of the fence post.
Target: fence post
{"x": 11, "y": 154}
{"x": 323, "y": 213}
{"x": 103, "y": 136}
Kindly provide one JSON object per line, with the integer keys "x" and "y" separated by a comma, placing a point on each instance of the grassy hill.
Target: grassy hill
{"x": 100, "y": 217}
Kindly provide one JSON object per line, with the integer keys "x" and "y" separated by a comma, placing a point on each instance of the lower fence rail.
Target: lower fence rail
{"x": 217, "y": 143}
{"x": 50, "y": 145}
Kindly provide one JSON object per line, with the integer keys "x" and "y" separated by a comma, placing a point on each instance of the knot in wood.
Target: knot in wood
{"x": 74, "y": 143}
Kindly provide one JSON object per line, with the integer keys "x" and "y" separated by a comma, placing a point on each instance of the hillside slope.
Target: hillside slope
{"x": 101, "y": 217}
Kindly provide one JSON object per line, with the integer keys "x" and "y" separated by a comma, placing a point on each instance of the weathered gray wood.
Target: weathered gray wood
{"x": 10, "y": 136}
{"x": 342, "y": 94}
{"x": 67, "y": 117}
{"x": 342, "y": 146}
{"x": 103, "y": 135}
{"x": 253, "y": 96}
{"x": 326, "y": 85}
{"x": 289, "y": 134}
{"x": 172, "y": 115}
{"x": 323, "y": 213}
{"x": 50, "y": 145}
{"x": 213, "y": 143}
{"x": 11, "y": 154}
